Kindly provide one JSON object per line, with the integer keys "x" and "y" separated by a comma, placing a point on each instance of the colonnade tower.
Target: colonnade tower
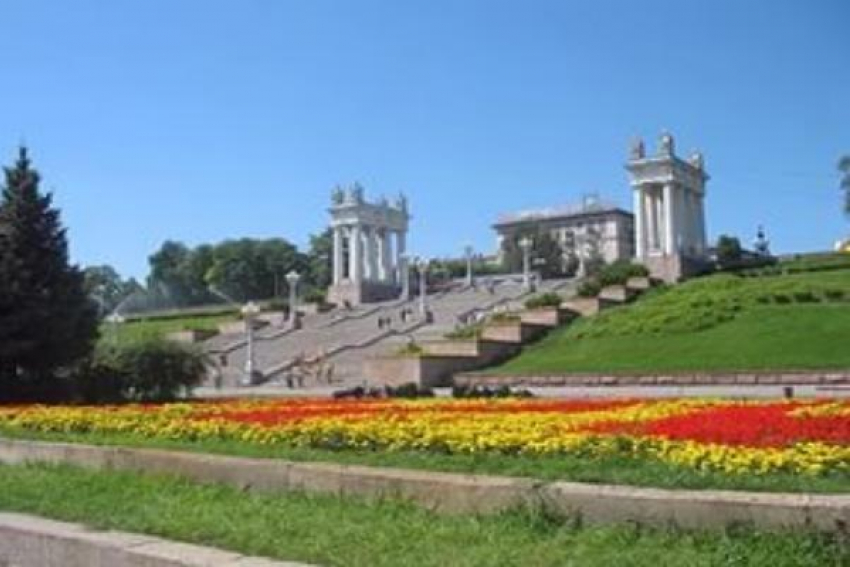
{"x": 369, "y": 241}
{"x": 669, "y": 209}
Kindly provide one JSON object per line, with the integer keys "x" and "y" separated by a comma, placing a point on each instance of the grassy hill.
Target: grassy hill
{"x": 717, "y": 323}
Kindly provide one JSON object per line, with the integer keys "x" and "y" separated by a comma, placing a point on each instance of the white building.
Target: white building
{"x": 583, "y": 230}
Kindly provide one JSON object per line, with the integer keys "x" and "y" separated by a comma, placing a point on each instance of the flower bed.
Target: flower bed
{"x": 806, "y": 438}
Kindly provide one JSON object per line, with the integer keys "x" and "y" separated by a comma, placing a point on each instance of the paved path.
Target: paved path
{"x": 724, "y": 391}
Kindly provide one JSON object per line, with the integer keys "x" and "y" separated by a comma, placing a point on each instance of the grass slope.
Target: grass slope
{"x": 344, "y": 531}
{"x": 720, "y": 323}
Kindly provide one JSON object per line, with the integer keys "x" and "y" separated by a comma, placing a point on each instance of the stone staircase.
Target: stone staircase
{"x": 345, "y": 338}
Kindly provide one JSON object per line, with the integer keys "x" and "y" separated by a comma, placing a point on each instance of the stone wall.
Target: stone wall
{"x": 456, "y": 493}
{"x": 694, "y": 379}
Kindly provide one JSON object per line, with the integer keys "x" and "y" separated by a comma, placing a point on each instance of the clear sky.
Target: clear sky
{"x": 201, "y": 120}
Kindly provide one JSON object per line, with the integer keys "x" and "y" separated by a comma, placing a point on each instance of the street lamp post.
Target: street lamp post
{"x": 292, "y": 279}
{"x": 249, "y": 311}
{"x": 423, "y": 284}
{"x": 525, "y": 243}
{"x": 468, "y": 252}
{"x": 404, "y": 274}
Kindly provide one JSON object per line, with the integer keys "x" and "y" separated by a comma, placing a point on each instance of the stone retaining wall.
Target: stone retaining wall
{"x": 462, "y": 493}
{"x": 29, "y": 541}
{"x": 766, "y": 378}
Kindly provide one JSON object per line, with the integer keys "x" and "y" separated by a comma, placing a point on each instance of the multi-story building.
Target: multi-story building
{"x": 590, "y": 228}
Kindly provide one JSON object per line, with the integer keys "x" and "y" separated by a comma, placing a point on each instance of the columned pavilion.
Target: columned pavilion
{"x": 369, "y": 243}
{"x": 669, "y": 209}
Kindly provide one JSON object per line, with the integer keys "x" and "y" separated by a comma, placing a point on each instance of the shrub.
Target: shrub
{"x": 550, "y": 299}
{"x": 276, "y": 305}
{"x": 503, "y": 391}
{"x": 410, "y": 390}
{"x": 619, "y": 272}
{"x": 315, "y": 295}
{"x": 589, "y": 288}
{"x": 151, "y": 369}
{"x": 465, "y": 332}
{"x": 504, "y": 317}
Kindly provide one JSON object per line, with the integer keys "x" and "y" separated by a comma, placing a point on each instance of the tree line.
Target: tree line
{"x": 235, "y": 270}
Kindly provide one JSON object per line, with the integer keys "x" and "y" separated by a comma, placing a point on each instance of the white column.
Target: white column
{"x": 400, "y": 249}
{"x": 669, "y": 219}
{"x": 640, "y": 235}
{"x": 386, "y": 257}
{"x": 680, "y": 219}
{"x": 372, "y": 254}
{"x": 355, "y": 252}
{"x": 693, "y": 222}
{"x": 655, "y": 205}
{"x": 701, "y": 236}
{"x": 337, "y": 254}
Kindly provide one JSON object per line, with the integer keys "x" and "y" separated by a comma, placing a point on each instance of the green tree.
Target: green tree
{"x": 254, "y": 269}
{"x": 105, "y": 286}
{"x": 320, "y": 259}
{"x": 844, "y": 168}
{"x": 47, "y": 321}
{"x": 167, "y": 277}
{"x": 547, "y": 256}
{"x": 728, "y": 250}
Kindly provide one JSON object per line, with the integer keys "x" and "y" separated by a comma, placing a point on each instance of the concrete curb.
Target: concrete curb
{"x": 30, "y": 541}
{"x": 813, "y": 378}
{"x": 462, "y": 493}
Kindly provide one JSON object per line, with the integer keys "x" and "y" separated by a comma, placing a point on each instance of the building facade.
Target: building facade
{"x": 591, "y": 228}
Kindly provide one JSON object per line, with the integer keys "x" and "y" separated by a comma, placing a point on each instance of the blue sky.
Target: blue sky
{"x": 200, "y": 120}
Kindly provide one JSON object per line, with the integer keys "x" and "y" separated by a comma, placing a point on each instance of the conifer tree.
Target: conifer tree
{"x": 47, "y": 322}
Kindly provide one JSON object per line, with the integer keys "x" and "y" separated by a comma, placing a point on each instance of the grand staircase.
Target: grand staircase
{"x": 336, "y": 342}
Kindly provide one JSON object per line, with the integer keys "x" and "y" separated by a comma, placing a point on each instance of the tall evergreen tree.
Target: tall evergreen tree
{"x": 47, "y": 322}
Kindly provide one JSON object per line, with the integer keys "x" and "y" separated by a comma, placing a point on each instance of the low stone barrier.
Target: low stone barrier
{"x": 513, "y": 332}
{"x": 546, "y": 317}
{"x": 617, "y": 294}
{"x": 428, "y": 371}
{"x": 461, "y": 493}
{"x": 29, "y": 541}
{"x": 702, "y": 379}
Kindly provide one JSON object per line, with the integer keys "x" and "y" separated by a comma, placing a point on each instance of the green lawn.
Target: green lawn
{"x": 717, "y": 323}
{"x": 328, "y": 530}
{"x": 763, "y": 338}
{"x": 635, "y": 472}
{"x": 138, "y": 329}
